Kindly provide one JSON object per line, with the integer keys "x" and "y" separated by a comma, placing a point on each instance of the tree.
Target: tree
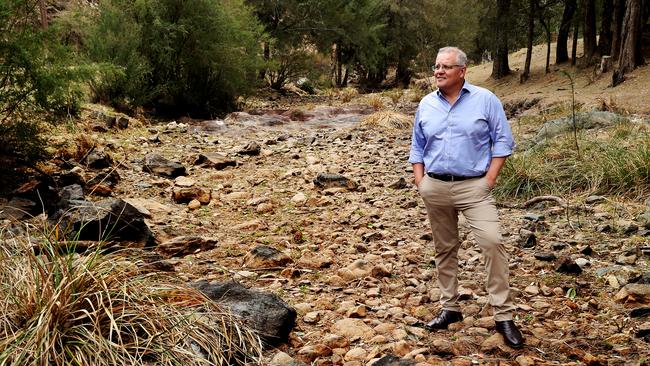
{"x": 179, "y": 57}
{"x": 561, "y": 52}
{"x": 38, "y": 82}
{"x": 605, "y": 37}
{"x": 351, "y": 32}
{"x": 590, "y": 46}
{"x": 532, "y": 8}
{"x": 630, "y": 55}
{"x": 500, "y": 66}
{"x": 619, "y": 13}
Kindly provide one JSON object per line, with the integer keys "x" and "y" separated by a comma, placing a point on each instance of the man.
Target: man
{"x": 461, "y": 139}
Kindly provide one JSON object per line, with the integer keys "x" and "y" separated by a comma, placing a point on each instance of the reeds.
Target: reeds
{"x": 96, "y": 309}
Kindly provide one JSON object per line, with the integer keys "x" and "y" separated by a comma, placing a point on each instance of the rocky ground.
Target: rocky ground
{"x": 313, "y": 206}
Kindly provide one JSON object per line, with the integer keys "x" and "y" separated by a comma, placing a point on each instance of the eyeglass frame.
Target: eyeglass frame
{"x": 445, "y": 67}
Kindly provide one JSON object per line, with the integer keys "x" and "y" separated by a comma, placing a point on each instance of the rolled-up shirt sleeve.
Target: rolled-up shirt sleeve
{"x": 417, "y": 142}
{"x": 503, "y": 144}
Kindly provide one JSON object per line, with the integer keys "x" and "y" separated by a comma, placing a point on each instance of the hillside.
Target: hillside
{"x": 592, "y": 88}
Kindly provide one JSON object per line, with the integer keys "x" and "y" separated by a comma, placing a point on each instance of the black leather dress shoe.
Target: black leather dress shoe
{"x": 510, "y": 333}
{"x": 443, "y": 319}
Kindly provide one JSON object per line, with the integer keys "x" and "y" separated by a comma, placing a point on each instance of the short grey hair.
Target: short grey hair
{"x": 461, "y": 57}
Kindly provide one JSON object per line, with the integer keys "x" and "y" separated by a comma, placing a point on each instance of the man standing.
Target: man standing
{"x": 461, "y": 139}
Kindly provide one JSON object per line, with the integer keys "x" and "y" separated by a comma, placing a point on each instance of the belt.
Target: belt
{"x": 452, "y": 178}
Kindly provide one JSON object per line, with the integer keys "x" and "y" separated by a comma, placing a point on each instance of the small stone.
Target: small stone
{"x": 194, "y": 204}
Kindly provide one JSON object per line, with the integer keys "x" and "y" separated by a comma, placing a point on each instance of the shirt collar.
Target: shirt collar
{"x": 467, "y": 88}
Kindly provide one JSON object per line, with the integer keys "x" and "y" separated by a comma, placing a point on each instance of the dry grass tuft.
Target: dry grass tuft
{"x": 388, "y": 120}
{"x": 99, "y": 309}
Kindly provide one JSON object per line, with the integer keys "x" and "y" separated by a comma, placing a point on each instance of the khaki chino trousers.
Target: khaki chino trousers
{"x": 473, "y": 198}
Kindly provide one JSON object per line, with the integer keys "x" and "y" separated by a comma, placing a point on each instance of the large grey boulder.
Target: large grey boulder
{"x": 265, "y": 312}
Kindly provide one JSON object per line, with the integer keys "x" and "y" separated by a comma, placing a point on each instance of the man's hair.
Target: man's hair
{"x": 461, "y": 57}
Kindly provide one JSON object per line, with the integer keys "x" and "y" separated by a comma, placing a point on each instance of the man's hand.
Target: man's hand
{"x": 491, "y": 181}
{"x": 418, "y": 173}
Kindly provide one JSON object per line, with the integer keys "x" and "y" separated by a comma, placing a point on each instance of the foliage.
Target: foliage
{"x": 617, "y": 162}
{"x": 94, "y": 309}
{"x": 36, "y": 71}
{"x": 175, "y": 56}
{"x": 37, "y": 78}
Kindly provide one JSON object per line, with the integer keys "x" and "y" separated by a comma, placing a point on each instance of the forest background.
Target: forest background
{"x": 199, "y": 58}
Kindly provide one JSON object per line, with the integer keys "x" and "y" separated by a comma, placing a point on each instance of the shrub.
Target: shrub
{"x": 178, "y": 57}
{"x": 95, "y": 309}
{"x": 616, "y": 161}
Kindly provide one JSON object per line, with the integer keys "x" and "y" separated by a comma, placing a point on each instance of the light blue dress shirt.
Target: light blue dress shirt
{"x": 460, "y": 139}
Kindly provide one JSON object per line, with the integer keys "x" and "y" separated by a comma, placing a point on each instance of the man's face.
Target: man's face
{"x": 449, "y": 75}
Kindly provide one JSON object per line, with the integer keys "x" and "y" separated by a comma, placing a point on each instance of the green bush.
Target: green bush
{"x": 38, "y": 80}
{"x": 175, "y": 56}
{"x": 615, "y": 161}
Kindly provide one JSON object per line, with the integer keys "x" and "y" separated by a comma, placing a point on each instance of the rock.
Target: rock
{"x": 392, "y": 360}
{"x": 266, "y": 257}
{"x": 310, "y": 353}
{"x": 271, "y": 317}
{"x": 194, "y": 204}
{"x": 17, "y": 209}
{"x": 533, "y": 217}
{"x": 98, "y": 159}
{"x": 399, "y": 184}
{"x": 567, "y": 265}
{"x": 157, "y": 164}
{"x": 183, "y": 181}
{"x": 633, "y": 295}
{"x": 283, "y": 359}
{"x": 352, "y": 328}
{"x": 185, "y": 245}
{"x": 591, "y": 200}
{"x": 527, "y": 239}
{"x": 187, "y": 194}
{"x": 356, "y": 354}
{"x": 217, "y": 161}
{"x": 110, "y": 219}
{"x": 252, "y": 149}
{"x": 326, "y": 180}
{"x": 545, "y": 256}
{"x": 299, "y": 198}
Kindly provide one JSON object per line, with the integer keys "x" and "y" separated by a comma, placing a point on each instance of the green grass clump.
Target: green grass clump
{"x": 615, "y": 161}
{"x": 95, "y": 309}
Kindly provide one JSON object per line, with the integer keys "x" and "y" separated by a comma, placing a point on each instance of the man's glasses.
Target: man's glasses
{"x": 444, "y": 67}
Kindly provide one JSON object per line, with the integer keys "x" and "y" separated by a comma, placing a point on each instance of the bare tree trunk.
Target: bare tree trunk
{"x": 529, "y": 40}
{"x": 576, "y": 34}
{"x": 547, "y": 30}
{"x": 43, "y": 9}
{"x": 605, "y": 38}
{"x": 589, "y": 36}
{"x": 500, "y": 66}
{"x": 619, "y": 13}
{"x": 629, "y": 55}
{"x": 561, "y": 52}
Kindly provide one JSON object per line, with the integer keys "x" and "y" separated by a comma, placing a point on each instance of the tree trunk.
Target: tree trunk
{"x": 590, "y": 46}
{"x": 500, "y": 66}
{"x": 403, "y": 74}
{"x": 266, "y": 54}
{"x": 576, "y": 34}
{"x": 619, "y": 13}
{"x": 547, "y": 30}
{"x": 43, "y": 9}
{"x": 529, "y": 39}
{"x": 605, "y": 38}
{"x": 629, "y": 55}
{"x": 561, "y": 52}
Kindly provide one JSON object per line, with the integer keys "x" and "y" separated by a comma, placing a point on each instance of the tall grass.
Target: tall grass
{"x": 95, "y": 309}
{"x": 615, "y": 161}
